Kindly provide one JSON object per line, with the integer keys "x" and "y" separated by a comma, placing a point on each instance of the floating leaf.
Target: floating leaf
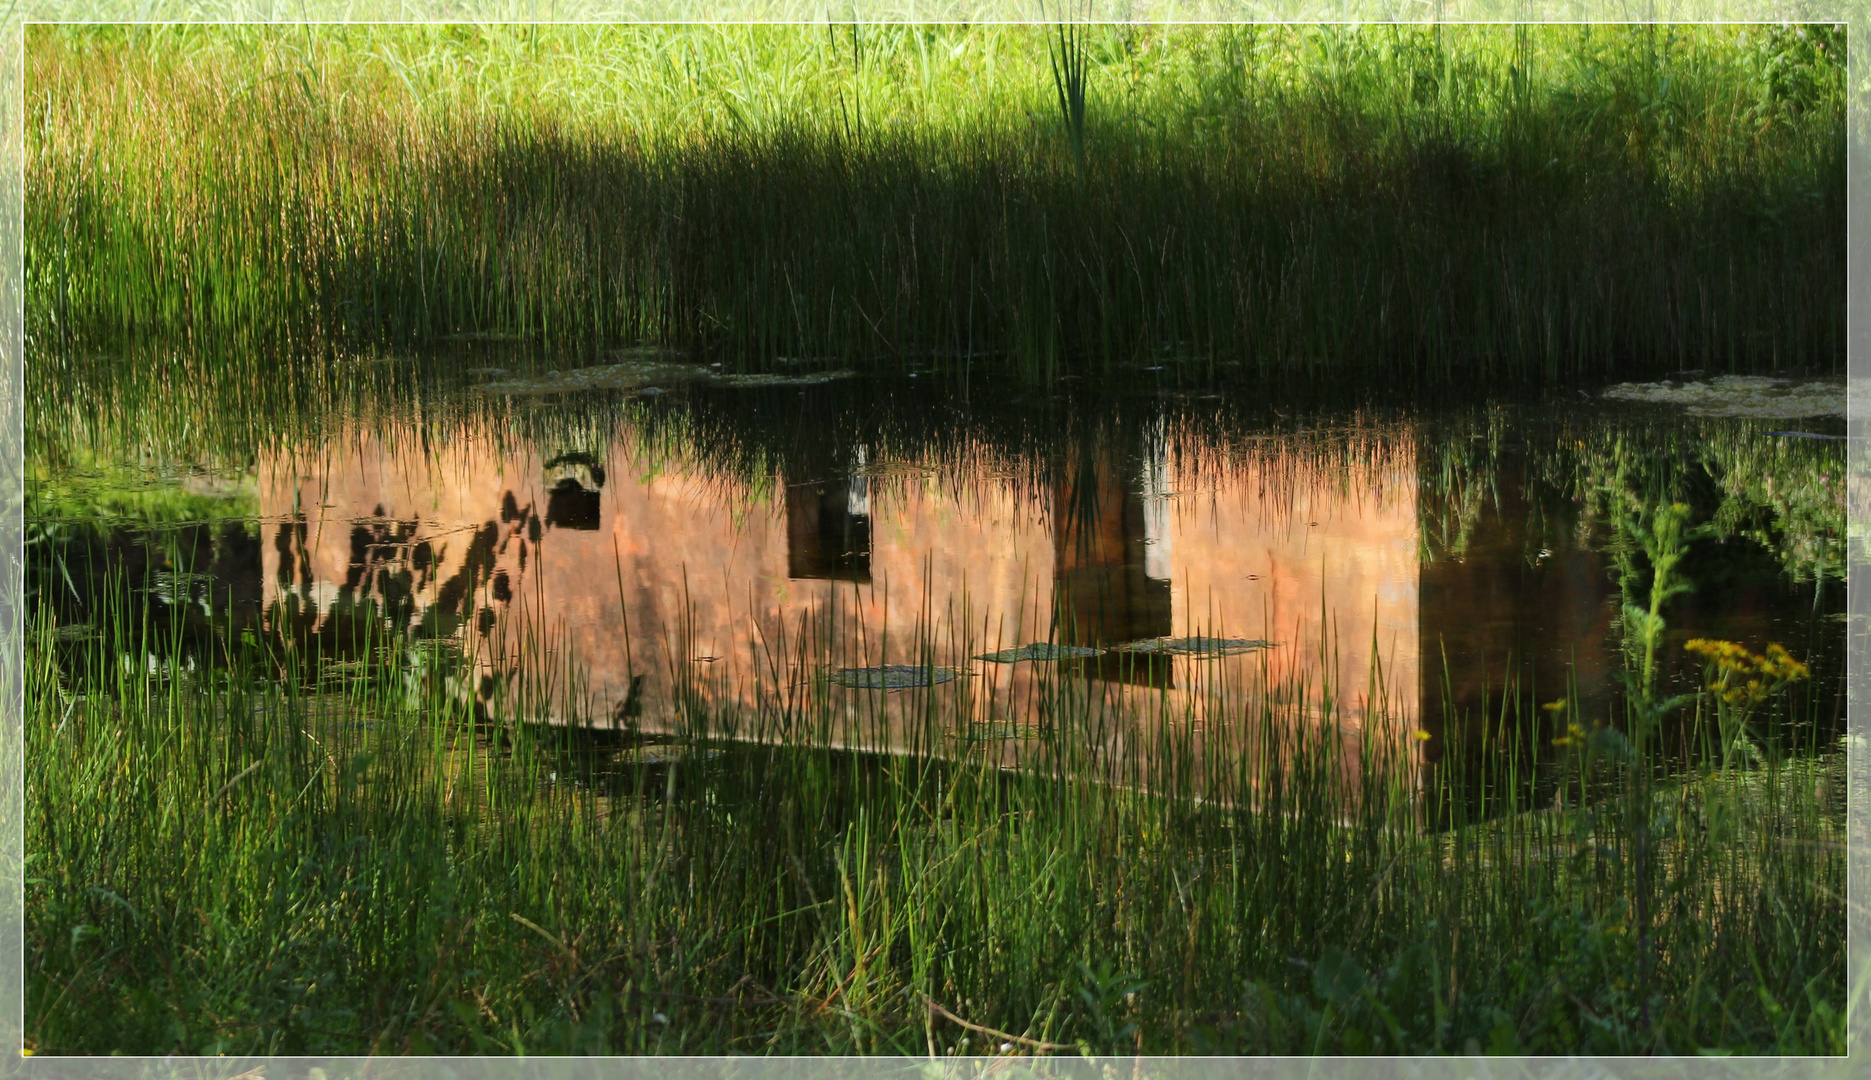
{"x": 1040, "y": 650}
{"x": 1194, "y": 646}
{"x": 627, "y": 376}
{"x": 988, "y": 732}
{"x": 742, "y": 382}
{"x": 1752, "y": 396}
{"x": 891, "y": 676}
{"x": 638, "y": 374}
{"x": 664, "y": 755}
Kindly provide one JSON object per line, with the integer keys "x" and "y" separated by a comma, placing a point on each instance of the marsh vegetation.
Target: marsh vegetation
{"x": 1401, "y": 203}
{"x": 679, "y": 540}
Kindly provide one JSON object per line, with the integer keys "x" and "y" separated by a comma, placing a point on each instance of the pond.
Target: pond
{"x": 934, "y": 540}
{"x": 933, "y": 562}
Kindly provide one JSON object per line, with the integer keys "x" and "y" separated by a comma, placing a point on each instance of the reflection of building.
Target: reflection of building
{"x": 574, "y": 502}
{"x": 1111, "y": 562}
{"x": 828, "y": 528}
{"x": 571, "y": 505}
{"x": 690, "y": 572}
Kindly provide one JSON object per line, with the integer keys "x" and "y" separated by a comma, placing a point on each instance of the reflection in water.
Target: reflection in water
{"x": 675, "y": 587}
{"x": 1111, "y": 542}
{"x": 698, "y": 582}
{"x": 1513, "y": 604}
{"x": 828, "y": 528}
{"x": 1520, "y": 593}
{"x": 573, "y": 501}
{"x": 570, "y": 505}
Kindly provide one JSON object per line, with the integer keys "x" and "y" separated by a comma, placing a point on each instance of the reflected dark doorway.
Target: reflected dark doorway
{"x": 828, "y": 530}
{"x": 1110, "y": 564}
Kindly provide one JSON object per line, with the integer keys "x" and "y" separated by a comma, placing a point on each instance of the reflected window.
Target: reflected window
{"x": 828, "y": 528}
{"x": 571, "y": 505}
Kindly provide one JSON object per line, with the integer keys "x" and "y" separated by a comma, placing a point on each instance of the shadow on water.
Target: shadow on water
{"x": 1520, "y": 591}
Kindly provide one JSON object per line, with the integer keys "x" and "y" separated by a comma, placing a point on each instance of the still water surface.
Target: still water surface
{"x": 650, "y": 557}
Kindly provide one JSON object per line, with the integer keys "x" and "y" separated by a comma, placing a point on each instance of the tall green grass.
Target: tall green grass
{"x": 274, "y": 850}
{"x": 1401, "y": 203}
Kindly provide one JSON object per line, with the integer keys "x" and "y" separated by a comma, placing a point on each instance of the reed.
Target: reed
{"x": 1403, "y": 204}
{"x": 338, "y": 845}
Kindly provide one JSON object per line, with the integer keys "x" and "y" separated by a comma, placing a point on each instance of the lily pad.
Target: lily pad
{"x": 664, "y": 755}
{"x": 892, "y": 676}
{"x": 756, "y": 379}
{"x": 644, "y": 368}
{"x": 1204, "y": 647}
{"x": 992, "y": 732}
{"x": 625, "y": 376}
{"x": 1040, "y": 650}
{"x": 1755, "y": 397}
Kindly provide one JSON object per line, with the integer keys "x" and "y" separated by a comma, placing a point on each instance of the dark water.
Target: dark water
{"x": 1435, "y": 569}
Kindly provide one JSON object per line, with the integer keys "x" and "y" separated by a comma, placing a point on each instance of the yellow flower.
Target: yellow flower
{"x": 1420, "y": 735}
{"x": 1749, "y": 693}
{"x": 1731, "y": 659}
{"x": 1716, "y": 650}
{"x": 1555, "y": 706}
{"x": 1779, "y": 664}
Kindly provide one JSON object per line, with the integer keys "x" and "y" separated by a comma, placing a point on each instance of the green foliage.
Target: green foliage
{"x": 252, "y": 858}
{"x": 1409, "y": 203}
{"x": 287, "y": 853}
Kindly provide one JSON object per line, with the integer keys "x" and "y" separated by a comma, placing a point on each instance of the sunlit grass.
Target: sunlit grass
{"x": 271, "y": 849}
{"x": 1403, "y": 203}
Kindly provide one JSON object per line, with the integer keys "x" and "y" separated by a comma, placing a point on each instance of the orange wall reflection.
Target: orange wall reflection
{"x": 677, "y": 572}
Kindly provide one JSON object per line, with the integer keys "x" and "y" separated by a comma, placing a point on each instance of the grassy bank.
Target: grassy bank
{"x": 332, "y": 858}
{"x": 1413, "y": 204}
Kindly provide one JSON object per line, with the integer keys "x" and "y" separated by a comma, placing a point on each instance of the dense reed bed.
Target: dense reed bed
{"x": 1413, "y": 204}
{"x": 277, "y": 853}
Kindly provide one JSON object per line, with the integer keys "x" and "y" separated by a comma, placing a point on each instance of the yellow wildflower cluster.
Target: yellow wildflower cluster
{"x": 1746, "y": 678}
{"x": 1779, "y": 664}
{"x": 1574, "y": 736}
